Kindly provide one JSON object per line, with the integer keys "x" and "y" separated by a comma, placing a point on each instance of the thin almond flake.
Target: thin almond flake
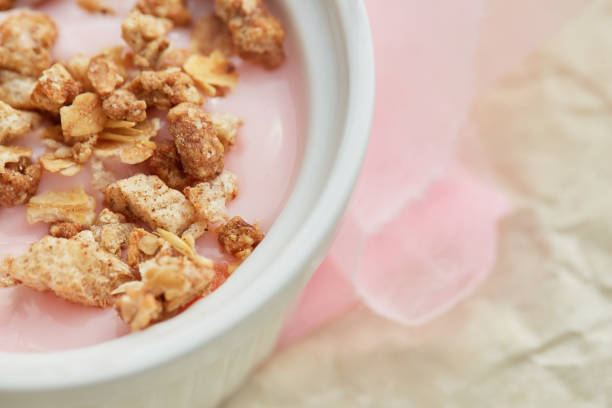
{"x": 73, "y": 206}
{"x": 19, "y": 177}
{"x": 210, "y": 199}
{"x": 150, "y": 200}
{"x": 95, "y": 7}
{"x": 54, "y": 89}
{"x": 213, "y": 73}
{"x": 175, "y": 10}
{"x": 165, "y": 89}
{"x": 168, "y": 283}
{"x": 226, "y": 125}
{"x": 145, "y": 34}
{"x": 14, "y": 122}
{"x": 84, "y": 117}
{"x": 76, "y": 269}
{"x": 15, "y": 89}
{"x": 209, "y": 34}
{"x": 240, "y": 238}
{"x": 112, "y": 231}
{"x": 132, "y": 148}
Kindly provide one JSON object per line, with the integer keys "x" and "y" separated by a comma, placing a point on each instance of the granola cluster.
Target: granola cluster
{"x": 138, "y": 253}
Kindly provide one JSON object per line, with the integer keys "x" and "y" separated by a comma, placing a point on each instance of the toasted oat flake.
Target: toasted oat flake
{"x": 73, "y": 205}
{"x": 213, "y": 73}
{"x": 185, "y": 247}
{"x": 142, "y": 246}
{"x": 175, "y": 10}
{"x": 210, "y": 199}
{"x": 84, "y": 117}
{"x": 95, "y": 6}
{"x": 65, "y": 159}
{"x": 132, "y": 148}
{"x": 14, "y": 122}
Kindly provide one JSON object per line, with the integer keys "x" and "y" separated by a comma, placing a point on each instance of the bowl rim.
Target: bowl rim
{"x": 312, "y": 235}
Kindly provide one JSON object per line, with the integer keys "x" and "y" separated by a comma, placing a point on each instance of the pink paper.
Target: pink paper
{"x": 421, "y": 232}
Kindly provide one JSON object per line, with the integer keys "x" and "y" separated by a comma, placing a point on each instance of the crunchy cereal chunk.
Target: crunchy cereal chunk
{"x": 112, "y": 231}
{"x": 257, "y": 35}
{"x": 142, "y": 246}
{"x": 209, "y": 34}
{"x": 201, "y": 151}
{"x": 226, "y": 125}
{"x": 123, "y": 105}
{"x": 165, "y": 89}
{"x": 132, "y": 145}
{"x": 15, "y": 122}
{"x": 150, "y": 200}
{"x": 67, "y": 160}
{"x": 6, "y": 5}
{"x": 210, "y": 199}
{"x": 15, "y": 89}
{"x": 78, "y": 66}
{"x": 145, "y": 34}
{"x": 175, "y": 10}
{"x": 173, "y": 57}
{"x": 65, "y": 229}
{"x": 19, "y": 177}
{"x": 239, "y": 238}
{"x": 76, "y": 269}
{"x": 54, "y": 89}
{"x": 104, "y": 74}
{"x": 84, "y": 117}
{"x": 95, "y": 6}
{"x": 74, "y": 206}
{"x": 166, "y": 164}
{"x": 25, "y": 42}
{"x": 214, "y": 74}
{"x": 168, "y": 283}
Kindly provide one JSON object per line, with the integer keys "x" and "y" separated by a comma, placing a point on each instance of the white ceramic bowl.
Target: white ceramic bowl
{"x": 200, "y": 356}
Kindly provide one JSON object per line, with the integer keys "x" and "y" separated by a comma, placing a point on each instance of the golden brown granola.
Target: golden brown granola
{"x": 25, "y": 42}
{"x": 226, "y": 125}
{"x": 14, "y": 122}
{"x": 209, "y": 34}
{"x": 104, "y": 74}
{"x": 175, "y": 10}
{"x": 210, "y": 199}
{"x": 214, "y": 74}
{"x": 15, "y": 89}
{"x": 165, "y": 89}
{"x": 145, "y": 34}
{"x": 166, "y": 164}
{"x": 74, "y": 205}
{"x": 6, "y": 5}
{"x": 78, "y": 65}
{"x": 239, "y": 238}
{"x": 65, "y": 229}
{"x": 54, "y": 89}
{"x": 147, "y": 198}
{"x": 173, "y": 57}
{"x": 201, "y": 151}
{"x": 19, "y": 177}
{"x": 168, "y": 283}
{"x": 132, "y": 145}
{"x": 142, "y": 246}
{"x": 122, "y": 104}
{"x": 84, "y": 117}
{"x": 95, "y": 6}
{"x": 256, "y": 34}
{"x": 75, "y": 269}
{"x": 65, "y": 159}
{"x": 112, "y": 231}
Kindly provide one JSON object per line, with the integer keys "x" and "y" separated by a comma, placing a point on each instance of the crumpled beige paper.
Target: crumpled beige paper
{"x": 539, "y": 332}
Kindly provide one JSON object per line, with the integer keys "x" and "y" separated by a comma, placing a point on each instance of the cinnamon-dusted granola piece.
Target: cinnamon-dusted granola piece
{"x": 19, "y": 177}
{"x": 239, "y": 238}
{"x": 150, "y": 200}
{"x": 166, "y": 164}
{"x": 73, "y": 205}
{"x": 122, "y": 104}
{"x": 25, "y": 42}
{"x": 145, "y": 34}
{"x": 226, "y": 125}
{"x": 95, "y": 6}
{"x": 15, "y": 89}
{"x": 76, "y": 269}
{"x": 65, "y": 159}
{"x": 175, "y": 10}
{"x": 132, "y": 145}
{"x": 54, "y": 89}
{"x": 209, "y": 34}
{"x": 257, "y": 35}
{"x": 168, "y": 283}
{"x": 112, "y": 231}
{"x": 143, "y": 245}
{"x": 165, "y": 89}
{"x": 214, "y": 74}
{"x": 14, "y": 122}
{"x": 65, "y": 229}
{"x": 78, "y": 65}
{"x": 210, "y": 199}
{"x": 6, "y": 5}
{"x": 201, "y": 151}
{"x": 84, "y": 117}
{"x": 173, "y": 57}
{"x": 104, "y": 74}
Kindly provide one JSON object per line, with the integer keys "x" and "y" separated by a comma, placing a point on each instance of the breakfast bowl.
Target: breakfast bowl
{"x": 200, "y": 356}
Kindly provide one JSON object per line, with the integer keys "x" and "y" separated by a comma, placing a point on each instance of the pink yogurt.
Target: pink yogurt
{"x": 264, "y": 159}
